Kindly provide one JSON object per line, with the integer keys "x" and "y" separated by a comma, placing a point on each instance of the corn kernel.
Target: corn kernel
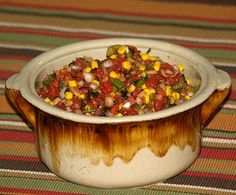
{"x": 47, "y": 100}
{"x": 122, "y": 50}
{"x": 68, "y": 95}
{"x": 142, "y": 67}
{"x": 143, "y": 74}
{"x": 113, "y": 56}
{"x": 96, "y": 82}
{"x": 144, "y": 56}
{"x": 131, "y": 88}
{"x": 168, "y": 91}
{"x": 112, "y": 94}
{"x": 113, "y": 74}
{"x": 87, "y": 69}
{"x": 187, "y": 97}
{"x": 94, "y": 64}
{"x": 188, "y": 81}
{"x": 149, "y": 91}
{"x": 144, "y": 86}
{"x": 181, "y": 67}
{"x": 146, "y": 99}
{"x": 152, "y": 58}
{"x": 119, "y": 114}
{"x": 175, "y": 95}
{"x": 157, "y": 65}
{"x": 126, "y": 65}
{"x": 51, "y": 103}
{"x": 172, "y": 101}
{"x": 82, "y": 96}
{"x": 68, "y": 103}
{"x": 72, "y": 83}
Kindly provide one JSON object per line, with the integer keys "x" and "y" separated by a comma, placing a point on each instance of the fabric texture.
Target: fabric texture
{"x": 29, "y": 28}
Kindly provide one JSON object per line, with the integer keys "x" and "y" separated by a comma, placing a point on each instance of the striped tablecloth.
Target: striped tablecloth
{"x": 28, "y": 28}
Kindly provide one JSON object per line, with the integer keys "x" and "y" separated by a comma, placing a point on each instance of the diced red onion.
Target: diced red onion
{"x": 93, "y": 86}
{"x": 151, "y": 72}
{"x": 108, "y": 63}
{"x": 75, "y": 91}
{"x": 88, "y": 77}
{"x": 108, "y": 101}
{"x": 126, "y": 105}
{"x": 62, "y": 92}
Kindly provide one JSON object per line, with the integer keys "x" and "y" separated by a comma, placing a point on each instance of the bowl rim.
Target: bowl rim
{"x": 29, "y": 73}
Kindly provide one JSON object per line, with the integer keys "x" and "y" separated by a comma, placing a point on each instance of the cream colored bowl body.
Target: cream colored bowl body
{"x": 113, "y": 152}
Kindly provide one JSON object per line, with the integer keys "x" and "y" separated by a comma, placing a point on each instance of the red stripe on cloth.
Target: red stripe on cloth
{"x": 52, "y": 33}
{"x": 233, "y": 75}
{"x": 214, "y": 175}
{"x": 115, "y": 12}
{"x": 20, "y": 158}
{"x": 208, "y": 46}
{"x": 6, "y": 74}
{"x": 15, "y": 57}
{"x": 14, "y": 136}
{"x": 95, "y": 36}
{"x": 31, "y": 191}
{"x": 232, "y": 95}
{"x": 222, "y": 154}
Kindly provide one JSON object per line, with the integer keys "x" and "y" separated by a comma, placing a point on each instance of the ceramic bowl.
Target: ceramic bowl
{"x": 115, "y": 152}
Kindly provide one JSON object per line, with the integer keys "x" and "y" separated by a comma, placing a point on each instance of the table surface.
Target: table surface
{"x": 28, "y": 28}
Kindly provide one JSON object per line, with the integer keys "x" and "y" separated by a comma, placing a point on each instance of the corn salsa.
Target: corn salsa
{"x": 126, "y": 82}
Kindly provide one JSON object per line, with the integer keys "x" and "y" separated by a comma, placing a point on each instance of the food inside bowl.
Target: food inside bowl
{"x": 127, "y": 82}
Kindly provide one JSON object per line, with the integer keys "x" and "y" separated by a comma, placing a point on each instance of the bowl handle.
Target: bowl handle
{"x": 223, "y": 83}
{"x": 12, "y": 90}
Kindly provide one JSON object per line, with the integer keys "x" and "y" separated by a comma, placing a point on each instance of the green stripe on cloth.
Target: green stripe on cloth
{"x": 35, "y": 39}
{"x": 214, "y": 133}
{"x": 118, "y": 18}
{"x": 61, "y": 186}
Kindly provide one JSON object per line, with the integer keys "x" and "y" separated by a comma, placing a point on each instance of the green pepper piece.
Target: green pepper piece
{"x": 130, "y": 55}
{"x": 47, "y": 81}
{"x": 139, "y": 83}
{"x": 149, "y": 50}
{"x": 177, "y": 87}
{"x": 138, "y": 108}
{"x": 61, "y": 84}
{"x": 112, "y": 50}
{"x": 117, "y": 83}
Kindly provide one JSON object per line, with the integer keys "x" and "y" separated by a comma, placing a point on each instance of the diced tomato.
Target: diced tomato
{"x": 117, "y": 67}
{"x": 76, "y": 103}
{"x": 80, "y": 62}
{"x": 114, "y": 109}
{"x": 99, "y": 73}
{"x": 100, "y": 99}
{"x": 167, "y": 66}
{"x": 98, "y": 112}
{"x": 136, "y": 92}
{"x": 61, "y": 106}
{"x": 43, "y": 92}
{"x": 79, "y": 76}
{"x": 120, "y": 60}
{"x": 159, "y": 104}
{"x": 130, "y": 111}
{"x": 61, "y": 73}
{"x": 153, "y": 81}
{"x": 54, "y": 88}
{"x": 174, "y": 79}
{"x": 67, "y": 78}
{"x": 106, "y": 87}
{"x": 74, "y": 73}
{"x": 131, "y": 100}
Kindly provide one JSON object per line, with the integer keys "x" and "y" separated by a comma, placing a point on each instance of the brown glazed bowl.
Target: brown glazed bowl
{"x": 115, "y": 152}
